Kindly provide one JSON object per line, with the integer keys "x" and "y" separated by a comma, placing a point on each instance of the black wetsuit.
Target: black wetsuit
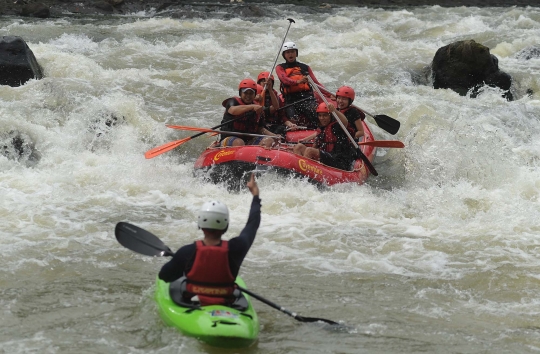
{"x": 239, "y": 246}
{"x": 353, "y": 114}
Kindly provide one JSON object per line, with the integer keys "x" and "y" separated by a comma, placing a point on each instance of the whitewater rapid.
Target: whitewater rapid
{"x": 437, "y": 254}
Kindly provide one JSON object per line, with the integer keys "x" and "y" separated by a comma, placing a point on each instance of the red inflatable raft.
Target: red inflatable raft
{"x": 231, "y": 164}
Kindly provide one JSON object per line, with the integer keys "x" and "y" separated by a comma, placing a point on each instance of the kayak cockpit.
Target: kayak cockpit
{"x": 178, "y": 288}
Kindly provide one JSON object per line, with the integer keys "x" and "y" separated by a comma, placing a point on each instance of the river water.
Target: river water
{"x": 440, "y": 253}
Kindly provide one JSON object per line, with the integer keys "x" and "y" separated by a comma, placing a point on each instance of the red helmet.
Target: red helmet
{"x": 259, "y": 89}
{"x": 346, "y": 91}
{"x": 264, "y": 75}
{"x": 248, "y": 83}
{"x": 323, "y": 108}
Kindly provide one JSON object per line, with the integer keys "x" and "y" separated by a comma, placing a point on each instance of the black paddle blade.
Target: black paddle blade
{"x": 314, "y": 319}
{"x": 140, "y": 241}
{"x": 387, "y": 123}
{"x": 290, "y": 20}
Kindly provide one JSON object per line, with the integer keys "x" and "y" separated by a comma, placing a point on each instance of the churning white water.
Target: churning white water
{"x": 440, "y": 253}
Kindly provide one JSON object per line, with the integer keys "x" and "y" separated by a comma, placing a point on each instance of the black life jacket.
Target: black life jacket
{"x": 210, "y": 277}
{"x": 247, "y": 122}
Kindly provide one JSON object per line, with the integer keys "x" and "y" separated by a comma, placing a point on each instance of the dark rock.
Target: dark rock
{"x": 115, "y": 2}
{"x": 104, "y": 6}
{"x": 36, "y": 10}
{"x": 17, "y": 62}
{"x": 466, "y": 66}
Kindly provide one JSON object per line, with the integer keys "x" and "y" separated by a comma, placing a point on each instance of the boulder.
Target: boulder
{"x": 17, "y": 62}
{"x": 466, "y": 66}
{"x": 36, "y": 10}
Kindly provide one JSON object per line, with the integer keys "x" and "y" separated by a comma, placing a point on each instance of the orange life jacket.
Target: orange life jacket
{"x": 296, "y": 72}
{"x": 210, "y": 277}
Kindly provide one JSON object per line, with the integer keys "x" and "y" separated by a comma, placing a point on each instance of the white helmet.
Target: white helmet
{"x": 289, "y": 45}
{"x": 214, "y": 215}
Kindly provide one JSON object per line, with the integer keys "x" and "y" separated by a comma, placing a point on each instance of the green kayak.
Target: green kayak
{"x": 218, "y": 325}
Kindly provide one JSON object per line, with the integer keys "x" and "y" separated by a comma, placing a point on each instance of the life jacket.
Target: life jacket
{"x": 326, "y": 139}
{"x": 210, "y": 277}
{"x": 247, "y": 122}
{"x": 295, "y": 71}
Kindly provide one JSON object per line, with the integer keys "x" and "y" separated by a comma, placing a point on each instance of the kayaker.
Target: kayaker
{"x": 344, "y": 98}
{"x": 332, "y": 147}
{"x": 249, "y": 116}
{"x": 276, "y": 120}
{"x": 295, "y": 86}
{"x": 212, "y": 264}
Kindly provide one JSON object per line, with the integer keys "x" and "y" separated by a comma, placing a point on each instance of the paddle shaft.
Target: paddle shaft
{"x": 378, "y": 143}
{"x": 284, "y": 310}
{"x": 291, "y": 21}
{"x": 144, "y": 242}
{"x": 292, "y": 104}
{"x": 204, "y": 131}
{"x": 217, "y": 126}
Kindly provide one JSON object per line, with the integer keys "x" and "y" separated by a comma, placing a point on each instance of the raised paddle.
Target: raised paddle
{"x": 291, "y": 21}
{"x": 174, "y": 144}
{"x": 385, "y": 122}
{"x": 143, "y": 242}
{"x": 265, "y": 88}
{"x": 359, "y": 151}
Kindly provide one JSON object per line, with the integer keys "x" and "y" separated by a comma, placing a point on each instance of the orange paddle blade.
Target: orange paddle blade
{"x": 384, "y": 143}
{"x": 164, "y": 148}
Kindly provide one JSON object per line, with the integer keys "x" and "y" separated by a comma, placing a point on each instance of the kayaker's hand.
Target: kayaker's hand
{"x": 358, "y": 135}
{"x": 252, "y": 185}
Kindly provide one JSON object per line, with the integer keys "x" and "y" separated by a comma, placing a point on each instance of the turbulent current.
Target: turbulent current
{"x": 440, "y": 253}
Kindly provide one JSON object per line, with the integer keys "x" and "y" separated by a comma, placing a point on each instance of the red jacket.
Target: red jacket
{"x": 210, "y": 277}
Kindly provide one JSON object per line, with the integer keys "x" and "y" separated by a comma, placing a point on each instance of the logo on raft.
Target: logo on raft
{"x": 222, "y": 154}
{"x": 304, "y": 166}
